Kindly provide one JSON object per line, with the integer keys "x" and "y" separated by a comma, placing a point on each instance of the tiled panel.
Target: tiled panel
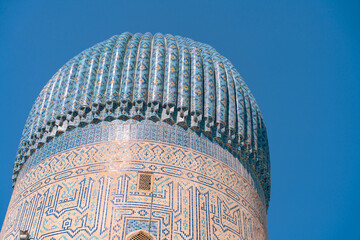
{"x": 134, "y": 224}
{"x": 146, "y": 130}
{"x": 89, "y": 192}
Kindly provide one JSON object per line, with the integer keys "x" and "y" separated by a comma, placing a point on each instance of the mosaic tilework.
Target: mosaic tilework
{"x": 143, "y": 103}
{"x": 164, "y": 78}
{"x": 145, "y": 130}
{"x": 133, "y": 225}
{"x": 89, "y": 192}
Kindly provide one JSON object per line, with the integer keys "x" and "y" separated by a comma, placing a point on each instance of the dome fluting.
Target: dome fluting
{"x": 152, "y": 77}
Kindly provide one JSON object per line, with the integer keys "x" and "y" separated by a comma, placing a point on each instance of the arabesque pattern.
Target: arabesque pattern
{"x": 90, "y": 193}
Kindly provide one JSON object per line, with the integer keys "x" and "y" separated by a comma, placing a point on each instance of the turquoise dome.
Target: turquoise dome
{"x": 160, "y": 78}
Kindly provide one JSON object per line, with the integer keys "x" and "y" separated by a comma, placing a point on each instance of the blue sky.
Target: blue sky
{"x": 299, "y": 58}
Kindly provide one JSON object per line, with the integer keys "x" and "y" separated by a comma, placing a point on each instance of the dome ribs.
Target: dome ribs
{"x": 116, "y": 65}
{"x": 142, "y": 77}
{"x": 221, "y": 97}
{"x": 183, "y": 83}
{"x": 170, "y": 79}
{"x": 113, "y": 84}
{"x": 248, "y": 133}
{"x": 88, "y": 90}
{"x": 127, "y": 77}
{"x": 156, "y": 79}
{"x": 100, "y": 84}
{"x": 57, "y": 114}
{"x": 240, "y": 109}
{"x": 196, "y": 86}
{"x": 77, "y": 89}
{"x": 39, "y": 108}
{"x": 159, "y": 78}
{"x": 67, "y": 88}
{"x": 44, "y": 128}
{"x": 51, "y": 111}
{"x": 209, "y": 91}
{"x": 231, "y": 125}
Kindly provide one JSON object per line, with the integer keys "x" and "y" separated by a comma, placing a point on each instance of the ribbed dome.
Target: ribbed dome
{"x": 161, "y": 78}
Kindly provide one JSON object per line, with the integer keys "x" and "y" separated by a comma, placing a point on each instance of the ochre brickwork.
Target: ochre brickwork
{"x": 89, "y": 192}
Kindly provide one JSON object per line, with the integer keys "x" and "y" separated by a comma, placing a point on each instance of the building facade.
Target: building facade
{"x": 142, "y": 137}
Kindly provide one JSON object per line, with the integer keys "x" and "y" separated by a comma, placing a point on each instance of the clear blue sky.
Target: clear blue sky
{"x": 301, "y": 59}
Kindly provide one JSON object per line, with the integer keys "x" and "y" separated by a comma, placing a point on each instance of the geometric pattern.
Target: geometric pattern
{"x": 160, "y": 106}
{"x": 159, "y": 78}
{"x": 134, "y": 225}
{"x": 89, "y": 192}
{"x": 145, "y": 130}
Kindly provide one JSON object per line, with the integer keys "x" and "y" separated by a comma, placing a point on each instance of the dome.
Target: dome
{"x": 158, "y": 77}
